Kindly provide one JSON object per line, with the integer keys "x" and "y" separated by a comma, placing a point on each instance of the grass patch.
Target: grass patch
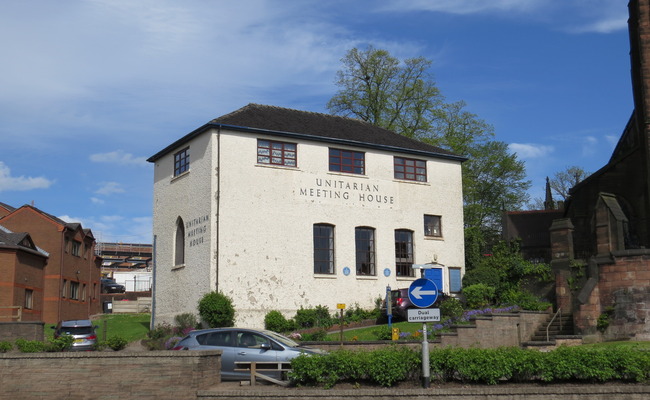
{"x": 368, "y": 333}
{"x": 131, "y": 327}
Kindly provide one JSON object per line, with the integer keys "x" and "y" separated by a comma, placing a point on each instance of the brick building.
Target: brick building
{"x": 601, "y": 246}
{"x": 22, "y": 266}
{"x": 71, "y": 282}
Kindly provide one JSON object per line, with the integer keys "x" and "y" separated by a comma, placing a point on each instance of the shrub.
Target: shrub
{"x": 523, "y": 299}
{"x": 61, "y": 343}
{"x": 30, "y": 346}
{"x": 451, "y": 308}
{"x": 216, "y": 309}
{"x": 186, "y": 321}
{"x": 313, "y": 317}
{"x": 478, "y": 295}
{"x": 316, "y": 336}
{"x": 5, "y": 346}
{"x": 116, "y": 343}
{"x": 276, "y": 322}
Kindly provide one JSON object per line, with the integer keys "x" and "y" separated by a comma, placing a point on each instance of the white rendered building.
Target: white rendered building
{"x": 281, "y": 209}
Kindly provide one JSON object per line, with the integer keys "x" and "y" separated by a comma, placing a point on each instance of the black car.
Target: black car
{"x": 110, "y": 286}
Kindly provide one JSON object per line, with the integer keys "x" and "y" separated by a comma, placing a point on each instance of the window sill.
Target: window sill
{"x": 177, "y": 177}
{"x": 274, "y": 166}
{"x": 366, "y": 277}
{"x": 325, "y": 276}
{"x": 434, "y": 238}
{"x": 350, "y": 174}
{"x": 412, "y": 182}
{"x": 406, "y": 278}
{"x": 177, "y": 267}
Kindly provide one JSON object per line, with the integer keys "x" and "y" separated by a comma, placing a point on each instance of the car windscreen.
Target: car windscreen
{"x": 77, "y": 330}
{"x": 282, "y": 339}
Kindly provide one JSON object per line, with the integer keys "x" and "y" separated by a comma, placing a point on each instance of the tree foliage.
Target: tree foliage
{"x": 402, "y": 96}
{"x": 564, "y": 180}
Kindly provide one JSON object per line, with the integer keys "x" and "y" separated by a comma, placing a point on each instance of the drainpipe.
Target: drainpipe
{"x": 217, "y": 214}
{"x": 60, "y": 292}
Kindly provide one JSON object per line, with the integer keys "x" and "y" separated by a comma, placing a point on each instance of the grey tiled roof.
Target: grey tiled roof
{"x": 308, "y": 125}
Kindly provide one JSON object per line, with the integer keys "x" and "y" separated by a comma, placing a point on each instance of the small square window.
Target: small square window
{"x": 182, "y": 161}
{"x": 276, "y": 153}
{"x": 410, "y": 169}
{"x": 352, "y": 162}
{"x": 432, "y": 226}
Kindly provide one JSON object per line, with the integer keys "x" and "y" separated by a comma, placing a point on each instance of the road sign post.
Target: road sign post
{"x": 423, "y": 293}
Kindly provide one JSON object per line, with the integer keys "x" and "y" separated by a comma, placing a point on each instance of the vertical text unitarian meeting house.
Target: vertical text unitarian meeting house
{"x": 281, "y": 209}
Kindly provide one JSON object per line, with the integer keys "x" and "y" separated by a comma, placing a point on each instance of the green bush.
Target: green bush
{"x": 356, "y": 314}
{"x": 30, "y": 346}
{"x": 451, "y": 308}
{"x": 523, "y": 299}
{"x": 385, "y": 367}
{"x": 116, "y": 343}
{"x": 276, "y": 322}
{"x": 316, "y": 336}
{"x": 5, "y": 346}
{"x": 313, "y": 317}
{"x": 186, "y": 321}
{"x": 216, "y": 309}
{"x": 394, "y": 364}
{"x": 478, "y": 295}
{"x": 61, "y": 343}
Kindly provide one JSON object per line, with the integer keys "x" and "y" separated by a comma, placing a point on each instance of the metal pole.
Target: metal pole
{"x": 426, "y": 370}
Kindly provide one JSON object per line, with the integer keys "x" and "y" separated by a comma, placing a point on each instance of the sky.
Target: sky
{"x": 89, "y": 89}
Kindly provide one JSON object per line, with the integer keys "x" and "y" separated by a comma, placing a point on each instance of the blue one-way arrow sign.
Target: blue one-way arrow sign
{"x": 423, "y": 292}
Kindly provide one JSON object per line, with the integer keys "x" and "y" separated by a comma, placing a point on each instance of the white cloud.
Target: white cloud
{"x": 95, "y": 200}
{"x": 109, "y": 188}
{"x": 530, "y": 151}
{"x": 20, "y": 183}
{"x": 119, "y": 157}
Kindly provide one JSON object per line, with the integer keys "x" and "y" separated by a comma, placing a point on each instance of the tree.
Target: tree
{"x": 377, "y": 88}
{"x": 563, "y": 181}
{"x": 402, "y": 96}
{"x": 215, "y": 308}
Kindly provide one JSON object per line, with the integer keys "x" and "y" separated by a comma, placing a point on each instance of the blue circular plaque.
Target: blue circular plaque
{"x": 346, "y": 271}
{"x": 387, "y": 272}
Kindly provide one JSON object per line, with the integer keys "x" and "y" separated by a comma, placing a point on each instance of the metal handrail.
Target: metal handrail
{"x": 559, "y": 311}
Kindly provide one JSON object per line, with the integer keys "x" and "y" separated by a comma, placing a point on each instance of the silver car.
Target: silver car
{"x": 81, "y": 330}
{"x": 244, "y": 345}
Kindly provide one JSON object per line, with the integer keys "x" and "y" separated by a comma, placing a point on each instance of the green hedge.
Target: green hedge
{"x": 387, "y": 367}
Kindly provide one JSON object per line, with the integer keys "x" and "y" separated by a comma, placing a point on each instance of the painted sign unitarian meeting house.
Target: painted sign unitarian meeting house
{"x": 281, "y": 209}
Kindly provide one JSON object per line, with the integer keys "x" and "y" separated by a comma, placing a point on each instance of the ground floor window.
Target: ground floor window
{"x": 364, "y": 239}
{"x": 323, "y": 249}
{"x": 29, "y": 299}
{"x": 404, "y": 252}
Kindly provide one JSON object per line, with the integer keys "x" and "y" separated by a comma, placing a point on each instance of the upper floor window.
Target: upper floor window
{"x": 276, "y": 153}
{"x": 404, "y": 252}
{"x": 182, "y": 161}
{"x": 353, "y": 162}
{"x": 364, "y": 239}
{"x": 323, "y": 249}
{"x": 432, "y": 226}
{"x": 74, "y": 290}
{"x": 410, "y": 169}
{"x": 76, "y": 247}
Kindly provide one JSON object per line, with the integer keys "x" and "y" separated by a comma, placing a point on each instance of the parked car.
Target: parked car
{"x": 244, "y": 345}
{"x": 110, "y": 286}
{"x": 82, "y": 331}
{"x": 401, "y": 303}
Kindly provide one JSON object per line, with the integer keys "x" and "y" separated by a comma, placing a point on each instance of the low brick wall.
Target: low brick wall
{"x": 10, "y": 331}
{"x": 459, "y": 392}
{"x": 108, "y": 375}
